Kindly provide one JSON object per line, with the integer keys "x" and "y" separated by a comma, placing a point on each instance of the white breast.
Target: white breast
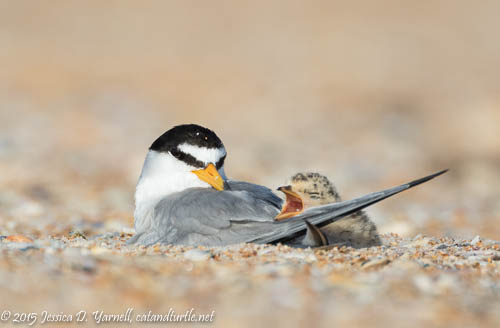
{"x": 162, "y": 174}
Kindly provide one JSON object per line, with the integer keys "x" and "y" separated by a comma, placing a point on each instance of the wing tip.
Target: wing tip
{"x": 427, "y": 178}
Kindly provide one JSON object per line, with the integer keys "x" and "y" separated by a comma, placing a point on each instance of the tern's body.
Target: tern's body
{"x": 184, "y": 197}
{"x": 203, "y": 216}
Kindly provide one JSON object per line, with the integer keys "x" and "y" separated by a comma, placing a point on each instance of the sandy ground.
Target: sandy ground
{"x": 419, "y": 281}
{"x": 370, "y": 94}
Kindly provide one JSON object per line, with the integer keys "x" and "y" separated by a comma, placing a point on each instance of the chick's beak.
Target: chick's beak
{"x": 210, "y": 176}
{"x": 293, "y": 204}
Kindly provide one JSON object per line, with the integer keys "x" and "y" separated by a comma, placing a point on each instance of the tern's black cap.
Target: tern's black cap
{"x": 191, "y": 134}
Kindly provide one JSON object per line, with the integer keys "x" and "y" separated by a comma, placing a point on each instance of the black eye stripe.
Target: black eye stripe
{"x": 190, "y": 160}
{"x": 186, "y": 158}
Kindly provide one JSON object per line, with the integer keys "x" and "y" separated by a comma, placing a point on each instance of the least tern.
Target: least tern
{"x": 309, "y": 189}
{"x": 184, "y": 197}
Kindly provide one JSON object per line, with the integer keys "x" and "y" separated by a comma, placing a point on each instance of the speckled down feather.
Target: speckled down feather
{"x": 355, "y": 230}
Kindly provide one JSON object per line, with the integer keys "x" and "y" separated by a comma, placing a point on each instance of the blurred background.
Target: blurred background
{"x": 372, "y": 94}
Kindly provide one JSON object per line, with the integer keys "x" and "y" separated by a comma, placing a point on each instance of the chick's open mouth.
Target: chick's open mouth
{"x": 293, "y": 204}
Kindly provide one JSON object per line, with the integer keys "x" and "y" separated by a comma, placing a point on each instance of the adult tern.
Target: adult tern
{"x": 184, "y": 197}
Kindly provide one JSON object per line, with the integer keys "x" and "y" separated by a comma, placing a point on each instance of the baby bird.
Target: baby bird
{"x": 355, "y": 230}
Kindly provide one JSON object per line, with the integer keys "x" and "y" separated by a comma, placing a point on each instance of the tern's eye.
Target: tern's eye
{"x": 314, "y": 195}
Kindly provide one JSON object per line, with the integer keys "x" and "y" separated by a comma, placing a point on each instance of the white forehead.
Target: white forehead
{"x": 205, "y": 155}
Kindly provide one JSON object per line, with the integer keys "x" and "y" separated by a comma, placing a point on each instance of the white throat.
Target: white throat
{"x": 163, "y": 174}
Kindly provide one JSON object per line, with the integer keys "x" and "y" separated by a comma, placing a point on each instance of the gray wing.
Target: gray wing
{"x": 256, "y": 191}
{"x": 201, "y": 216}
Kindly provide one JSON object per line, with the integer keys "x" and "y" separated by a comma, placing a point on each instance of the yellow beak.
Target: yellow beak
{"x": 210, "y": 176}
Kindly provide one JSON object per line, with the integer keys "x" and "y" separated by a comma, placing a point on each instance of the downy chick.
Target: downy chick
{"x": 313, "y": 189}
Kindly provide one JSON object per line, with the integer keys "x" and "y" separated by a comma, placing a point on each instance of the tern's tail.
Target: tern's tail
{"x": 322, "y": 215}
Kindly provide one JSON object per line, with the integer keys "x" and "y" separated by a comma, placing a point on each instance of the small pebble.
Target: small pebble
{"x": 197, "y": 255}
{"x": 21, "y": 246}
{"x": 18, "y": 239}
{"x": 376, "y": 263}
{"x": 475, "y": 240}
